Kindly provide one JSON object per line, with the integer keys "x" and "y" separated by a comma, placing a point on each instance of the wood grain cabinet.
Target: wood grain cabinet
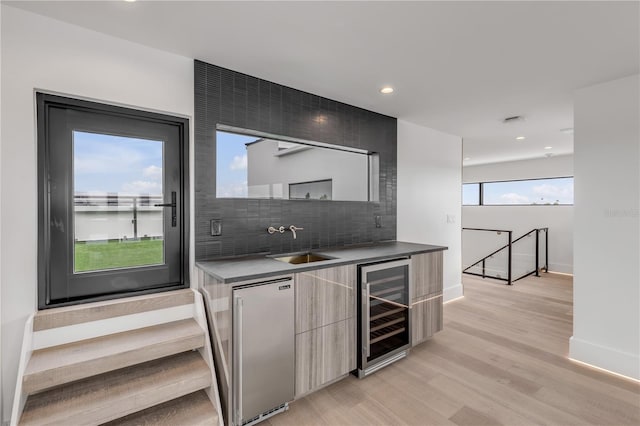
{"x": 426, "y": 319}
{"x": 426, "y": 302}
{"x": 426, "y": 274}
{"x": 325, "y": 326}
{"x": 324, "y": 354}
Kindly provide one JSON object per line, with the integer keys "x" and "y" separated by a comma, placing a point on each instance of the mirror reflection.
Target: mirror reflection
{"x": 259, "y": 166}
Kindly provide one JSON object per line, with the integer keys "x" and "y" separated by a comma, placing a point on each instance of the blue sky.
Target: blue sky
{"x": 539, "y": 191}
{"x": 231, "y": 164}
{"x": 116, "y": 164}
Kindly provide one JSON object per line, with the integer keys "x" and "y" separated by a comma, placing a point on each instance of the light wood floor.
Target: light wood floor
{"x": 501, "y": 359}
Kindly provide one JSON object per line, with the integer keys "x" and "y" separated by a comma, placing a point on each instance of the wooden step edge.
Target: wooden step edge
{"x": 56, "y": 366}
{"x": 119, "y": 393}
{"x": 194, "y": 409}
{"x": 70, "y": 315}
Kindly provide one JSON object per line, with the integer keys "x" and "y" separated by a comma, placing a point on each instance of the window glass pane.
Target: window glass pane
{"x": 470, "y": 194}
{"x": 556, "y": 191}
{"x": 320, "y": 190}
{"x": 116, "y": 182}
{"x": 231, "y": 165}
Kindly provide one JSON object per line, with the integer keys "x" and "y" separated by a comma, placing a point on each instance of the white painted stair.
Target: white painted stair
{"x": 139, "y": 360}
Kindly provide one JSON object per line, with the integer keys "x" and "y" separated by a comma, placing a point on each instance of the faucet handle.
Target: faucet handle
{"x": 273, "y": 230}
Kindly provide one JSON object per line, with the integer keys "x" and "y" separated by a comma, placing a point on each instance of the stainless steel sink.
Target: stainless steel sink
{"x": 299, "y": 258}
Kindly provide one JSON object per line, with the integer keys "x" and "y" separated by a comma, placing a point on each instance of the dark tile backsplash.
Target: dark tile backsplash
{"x": 227, "y": 97}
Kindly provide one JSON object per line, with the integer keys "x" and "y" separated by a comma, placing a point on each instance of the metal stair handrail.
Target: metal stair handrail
{"x": 509, "y": 246}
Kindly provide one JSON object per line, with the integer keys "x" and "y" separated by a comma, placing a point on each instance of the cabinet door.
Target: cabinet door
{"x": 324, "y": 296}
{"x": 426, "y": 274}
{"x": 324, "y": 354}
{"x": 426, "y": 318}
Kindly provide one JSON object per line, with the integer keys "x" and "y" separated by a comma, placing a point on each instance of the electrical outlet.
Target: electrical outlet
{"x": 378, "y": 219}
{"x": 216, "y": 227}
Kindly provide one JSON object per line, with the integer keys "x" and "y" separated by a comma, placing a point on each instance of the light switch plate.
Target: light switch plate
{"x": 216, "y": 227}
{"x": 378, "y": 219}
{"x": 451, "y": 218}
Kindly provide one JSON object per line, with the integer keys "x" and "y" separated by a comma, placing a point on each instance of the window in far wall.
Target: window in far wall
{"x": 471, "y": 194}
{"x": 526, "y": 192}
{"x": 554, "y": 191}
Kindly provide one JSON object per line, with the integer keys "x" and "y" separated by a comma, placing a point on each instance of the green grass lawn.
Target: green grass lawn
{"x": 117, "y": 254}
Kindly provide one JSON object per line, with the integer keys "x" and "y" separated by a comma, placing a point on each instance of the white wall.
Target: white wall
{"x": 99, "y": 223}
{"x": 557, "y": 166}
{"x": 39, "y": 52}
{"x": 269, "y": 175}
{"x": 522, "y": 219}
{"x": 429, "y": 190}
{"x": 606, "y": 298}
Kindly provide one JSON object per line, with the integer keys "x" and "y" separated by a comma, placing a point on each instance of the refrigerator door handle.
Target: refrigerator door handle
{"x": 238, "y": 358}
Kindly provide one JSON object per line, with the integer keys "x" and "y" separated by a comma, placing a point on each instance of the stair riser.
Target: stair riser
{"x": 127, "y": 405}
{"x": 119, "y": 393}
{"x": 34, "y": 383}
{"x": 61, "y": 317}
{"x": 138, "y": 404}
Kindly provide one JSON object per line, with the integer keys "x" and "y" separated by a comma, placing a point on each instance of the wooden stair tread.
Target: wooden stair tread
{"x": 116, "y": 394}
{"x": 95, "y": 311}
{"x": 194, "y": 409}
{"x": 74, "y": 361}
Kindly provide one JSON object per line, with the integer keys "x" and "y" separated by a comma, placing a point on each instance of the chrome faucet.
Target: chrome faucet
{"x": 293, "y": 229}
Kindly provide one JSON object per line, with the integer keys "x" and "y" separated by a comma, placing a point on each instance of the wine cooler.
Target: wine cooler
{"x": 384, "y": 317}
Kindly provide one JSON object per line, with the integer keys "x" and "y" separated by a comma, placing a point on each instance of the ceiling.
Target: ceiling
{"x": 459, "y": 67}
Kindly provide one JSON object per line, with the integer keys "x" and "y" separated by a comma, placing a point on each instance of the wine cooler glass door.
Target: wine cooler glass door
{"x": 386, "y": 300}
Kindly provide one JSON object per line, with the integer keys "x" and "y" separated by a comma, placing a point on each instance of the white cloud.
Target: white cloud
{"x": 513, "y": 198}
{"x": 142, "y": 187}
{"x": 239, "y": 163}
{"x": 152, "y": 172}
{"x": 551, "y": 193}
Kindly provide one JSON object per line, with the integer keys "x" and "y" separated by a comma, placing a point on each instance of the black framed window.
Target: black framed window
{"x": 113, "y": 201}
{"x": 525, "y": 192}
{"x": 470, "y": 194}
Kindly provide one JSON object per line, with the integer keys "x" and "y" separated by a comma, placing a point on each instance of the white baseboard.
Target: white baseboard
{"x": 624, "y": 363}
{"x": 451, "y": 293}
{"x": 563, "y": 268}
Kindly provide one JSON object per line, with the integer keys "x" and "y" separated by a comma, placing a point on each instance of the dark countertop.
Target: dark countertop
{"x": 246, "y": 268}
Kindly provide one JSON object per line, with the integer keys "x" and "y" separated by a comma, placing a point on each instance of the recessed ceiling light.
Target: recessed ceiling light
{"x": 520, "y": 138}
{"x": 129, "y": 1}
{"x": 548, "y": 147}
{"x": 567, "y": 131}
{"x": 466, "y": 158}
{"x": 386, "y": 90}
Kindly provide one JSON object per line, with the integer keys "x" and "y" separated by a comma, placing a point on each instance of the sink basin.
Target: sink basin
{"x": 299, "y": 258}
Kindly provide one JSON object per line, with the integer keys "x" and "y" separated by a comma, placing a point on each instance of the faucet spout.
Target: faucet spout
{"x": 293, "y": 230}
